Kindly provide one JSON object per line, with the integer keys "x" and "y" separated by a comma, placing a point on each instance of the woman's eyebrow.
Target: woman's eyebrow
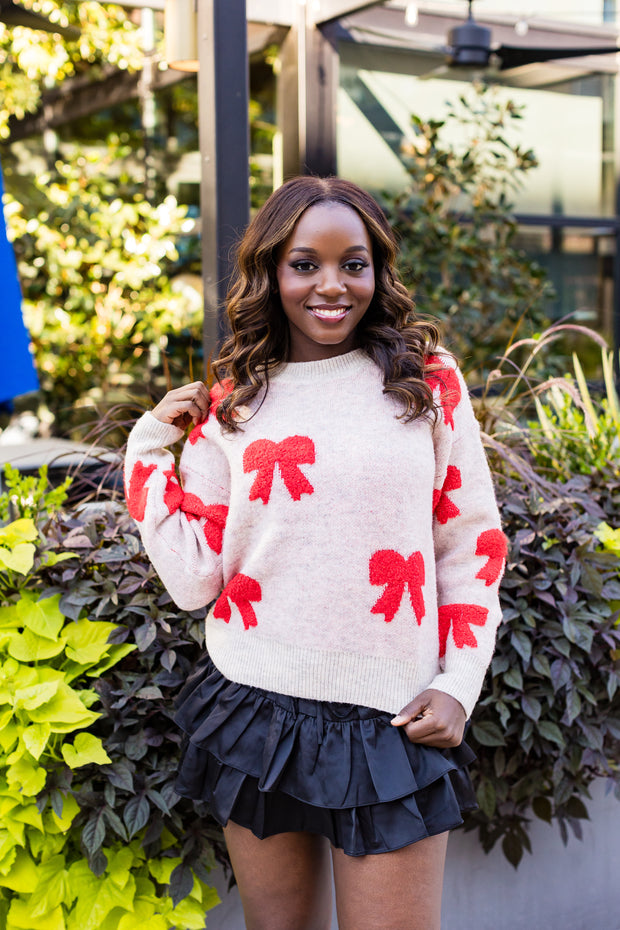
{"x": 310, "y": 251}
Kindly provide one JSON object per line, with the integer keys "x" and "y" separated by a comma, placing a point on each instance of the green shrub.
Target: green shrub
{"x": 457, "y": 232}
{"x": 92, "y": 836}
{"x": 549, "y": 721}
{"x": 96, "y": 262}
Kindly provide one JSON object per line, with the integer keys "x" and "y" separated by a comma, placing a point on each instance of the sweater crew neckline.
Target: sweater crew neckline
{"x": 323, "y": 369}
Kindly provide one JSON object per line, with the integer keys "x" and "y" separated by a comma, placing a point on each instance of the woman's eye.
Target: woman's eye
{"x": 356, "y": 265}
{"x": 304, "y": 266}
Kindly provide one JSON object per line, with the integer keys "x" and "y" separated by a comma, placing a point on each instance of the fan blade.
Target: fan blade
{"x": 434, "y": 73}
{"x": 513, "y": 56}
{"x": 14, "y": 15}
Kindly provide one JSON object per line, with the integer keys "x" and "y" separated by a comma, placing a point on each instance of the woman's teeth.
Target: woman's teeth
{"x": 329, "y": 314}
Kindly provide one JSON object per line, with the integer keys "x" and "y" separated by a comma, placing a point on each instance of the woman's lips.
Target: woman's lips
{"x": 329, "y": 314}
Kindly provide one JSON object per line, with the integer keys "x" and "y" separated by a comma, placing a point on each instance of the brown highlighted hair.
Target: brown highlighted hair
{"x": 389, "y": 333}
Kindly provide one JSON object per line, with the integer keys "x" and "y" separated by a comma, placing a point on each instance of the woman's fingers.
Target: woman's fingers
{"x": 182, "y": 406}
{"x": 433, "y": 718}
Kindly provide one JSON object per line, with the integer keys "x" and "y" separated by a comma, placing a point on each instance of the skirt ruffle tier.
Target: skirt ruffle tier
{"x": 277, "y": 764}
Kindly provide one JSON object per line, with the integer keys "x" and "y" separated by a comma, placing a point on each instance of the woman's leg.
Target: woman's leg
{"x": 398, "y": 890}
{"x": 284, "y": 881}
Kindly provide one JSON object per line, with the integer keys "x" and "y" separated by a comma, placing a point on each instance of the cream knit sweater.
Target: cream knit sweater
{"x": 353, "y": 557}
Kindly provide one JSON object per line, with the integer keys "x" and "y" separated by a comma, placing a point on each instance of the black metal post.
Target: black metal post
{"x": 224, "y": 150}
{"x": 616, "y": 298}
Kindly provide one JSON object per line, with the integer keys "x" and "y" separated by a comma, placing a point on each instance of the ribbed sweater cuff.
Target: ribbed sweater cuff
{"x": 150, "y": 433}
{"x": 464, "y": 685}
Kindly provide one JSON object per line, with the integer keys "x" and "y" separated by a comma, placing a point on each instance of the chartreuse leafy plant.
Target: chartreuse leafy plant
{"x": 49, "y": 663}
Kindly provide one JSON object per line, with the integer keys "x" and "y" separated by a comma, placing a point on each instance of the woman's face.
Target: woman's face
{"x": 326, "y": 281}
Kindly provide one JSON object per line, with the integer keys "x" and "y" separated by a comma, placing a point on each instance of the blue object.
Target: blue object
{"x": 17, "y": 372}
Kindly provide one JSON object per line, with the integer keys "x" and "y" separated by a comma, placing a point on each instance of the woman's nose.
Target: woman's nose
{"x": 330, "y": 282}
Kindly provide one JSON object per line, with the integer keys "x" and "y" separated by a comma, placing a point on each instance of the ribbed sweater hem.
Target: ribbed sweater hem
{"x": 349, "y": 678}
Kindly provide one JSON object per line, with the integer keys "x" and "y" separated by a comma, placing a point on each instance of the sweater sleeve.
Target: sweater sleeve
{"x": 181, "y": 518}
{"x": 470, "y": 548}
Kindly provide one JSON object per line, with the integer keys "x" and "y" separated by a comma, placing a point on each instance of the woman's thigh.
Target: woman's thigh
{"x": 284, "y": 881}
{"x": 398, "y": 890}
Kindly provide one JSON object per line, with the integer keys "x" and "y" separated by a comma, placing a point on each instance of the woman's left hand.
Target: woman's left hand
{"x": 433, "y": 718}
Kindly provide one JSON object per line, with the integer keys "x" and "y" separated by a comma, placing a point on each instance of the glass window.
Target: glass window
{"x": 569, "y": 126}
{"x": 580, "y": 262}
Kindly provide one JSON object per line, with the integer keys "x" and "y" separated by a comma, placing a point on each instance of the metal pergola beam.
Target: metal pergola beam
{"x": 286, "y": 12}
{"x": 223, "y": 96}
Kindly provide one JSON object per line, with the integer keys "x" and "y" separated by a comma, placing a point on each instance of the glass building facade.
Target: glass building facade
{"x": 568, "y": 206}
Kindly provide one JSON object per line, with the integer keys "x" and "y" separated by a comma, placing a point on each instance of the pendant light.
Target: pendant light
{"x": 181, "y": 34}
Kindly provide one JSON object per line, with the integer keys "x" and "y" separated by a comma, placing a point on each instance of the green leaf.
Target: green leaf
{"x": 87, "y": 640}
{"x": 35, "y": 738}
{"x": 86, "y": 749}
{"x": 36, "y": 696}
{"x": 513, "y": 849}
{"x": 551, "y": 732}
{"x": 94, "y": 831}
{"x": 576, "y": 808}
{"x": 27, "y": 778}
{"x": 51, "y": 886}
{"x": 65, "y": 711}
{"x": 28, "y": 647}
{"x": 523, "y": 645}
{"x": 42, "y": 617}
{"x": 96, "y": 897}
{"x": 513, "y": 678}
{"x": 115, "y": 654}
{"x": 181, "y": 883}
{"x": 485, "y": 795}
{"x": 488, "y": 733}
{"x": 23, "y": 875}
{"x": 531, "y": 707}
{"x": 19, "y": 559}
{"x": 542, "y": 807}
{"x": 136, "y": 814}
{"x": 19, "y": 531}
{"x": 20, "y": 917}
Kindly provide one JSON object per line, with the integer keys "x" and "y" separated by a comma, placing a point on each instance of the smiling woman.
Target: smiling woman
{"x": 335, "y": 504}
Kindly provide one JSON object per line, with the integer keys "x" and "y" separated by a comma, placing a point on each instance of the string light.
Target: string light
{"x": 411, "y": 14}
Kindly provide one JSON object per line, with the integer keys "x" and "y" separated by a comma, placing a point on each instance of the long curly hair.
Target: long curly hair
{"x": 388, "y": 332}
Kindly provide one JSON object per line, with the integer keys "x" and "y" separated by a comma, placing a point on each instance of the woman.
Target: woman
{"x": 335, "y": 502}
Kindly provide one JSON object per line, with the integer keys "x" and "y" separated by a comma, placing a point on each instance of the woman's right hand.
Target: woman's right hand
{"x": 182, "y": 406}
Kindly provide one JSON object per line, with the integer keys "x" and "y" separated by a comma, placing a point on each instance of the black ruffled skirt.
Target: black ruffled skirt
{"x": 277, "y": 764}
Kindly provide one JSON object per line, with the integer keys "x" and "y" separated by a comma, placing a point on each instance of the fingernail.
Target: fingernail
{"x": 397, "y": 720}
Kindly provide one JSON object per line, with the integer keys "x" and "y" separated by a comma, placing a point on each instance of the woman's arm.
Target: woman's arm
{"x": 181, "y": 518}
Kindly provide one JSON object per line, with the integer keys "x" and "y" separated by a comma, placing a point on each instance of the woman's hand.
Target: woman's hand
{"x": 182, "y": 406}
{"x": 434, "y": 718}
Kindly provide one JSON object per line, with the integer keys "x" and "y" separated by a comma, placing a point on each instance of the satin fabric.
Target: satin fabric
{"x": 274, "y": 763}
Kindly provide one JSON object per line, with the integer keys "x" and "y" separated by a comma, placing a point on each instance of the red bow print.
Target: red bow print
{"x": 194, "y": 509}
{"x": 449, "y": 388}
{"x": 218, "y": 392}
{"x": 240, "y": 590}
{"x": 263, "y": 456}
{"x": 173, "y": 492}
{"x": 443, "y": 508}
{"x": 196, "y": 433}
{"x": 137, "y": 492}
{"x": 493, "y": 545}
{"x": 390, "y": 568}
{"x": 459, "y": 616}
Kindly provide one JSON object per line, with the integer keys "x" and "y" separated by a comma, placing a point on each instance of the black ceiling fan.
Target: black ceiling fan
{"x": 14, "y": 15}
{"x": 469, "y": 46}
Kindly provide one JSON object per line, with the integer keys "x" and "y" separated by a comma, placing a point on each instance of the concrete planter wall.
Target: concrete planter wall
{"x": 573, "y": 887}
